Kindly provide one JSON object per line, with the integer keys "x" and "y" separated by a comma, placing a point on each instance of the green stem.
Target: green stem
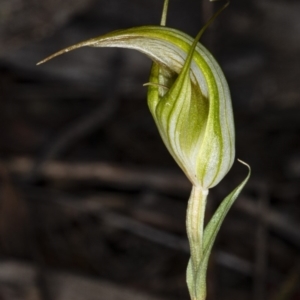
{"x": 195, "y": 224}
{"x": 164, "y": 13}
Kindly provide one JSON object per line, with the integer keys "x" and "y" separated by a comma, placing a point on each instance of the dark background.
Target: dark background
{"x": 91, "y": 204}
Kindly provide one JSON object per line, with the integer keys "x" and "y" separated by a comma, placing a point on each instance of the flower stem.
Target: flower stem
{"x": 195, "y": 224}
{"x": 164, "y": 13}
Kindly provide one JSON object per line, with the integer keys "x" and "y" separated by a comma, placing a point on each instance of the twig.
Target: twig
{"x": 105, "y": 172}
{"x": 145, "y": 231}
{"x": 172, "y": 241}
{"x": 136, "y": 178}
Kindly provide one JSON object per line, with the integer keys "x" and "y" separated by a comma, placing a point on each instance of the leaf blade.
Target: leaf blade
{"x": 210, "y": 234}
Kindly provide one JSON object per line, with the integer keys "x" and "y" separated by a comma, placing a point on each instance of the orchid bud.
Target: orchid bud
{"x": 188, "y": 97}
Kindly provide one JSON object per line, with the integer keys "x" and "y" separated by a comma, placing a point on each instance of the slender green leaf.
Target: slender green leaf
{"x": 210, "y": 234}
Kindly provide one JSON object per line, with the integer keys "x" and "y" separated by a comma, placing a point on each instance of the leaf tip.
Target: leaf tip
{"x": 244, "y": 163}
{"x": 248, "y": 166}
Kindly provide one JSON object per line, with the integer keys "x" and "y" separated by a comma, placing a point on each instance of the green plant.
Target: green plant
{"x": 189, "y": 99}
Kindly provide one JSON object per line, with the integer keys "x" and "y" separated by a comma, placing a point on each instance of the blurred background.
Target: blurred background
{"x": 91, "y": 204}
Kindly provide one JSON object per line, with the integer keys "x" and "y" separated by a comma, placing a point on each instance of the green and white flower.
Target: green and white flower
{"x": 189, "y": 99}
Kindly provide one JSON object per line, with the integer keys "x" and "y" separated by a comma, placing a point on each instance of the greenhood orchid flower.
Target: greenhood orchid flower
{"x": 189, "y": 99}
{"x": 190, "y": 103}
